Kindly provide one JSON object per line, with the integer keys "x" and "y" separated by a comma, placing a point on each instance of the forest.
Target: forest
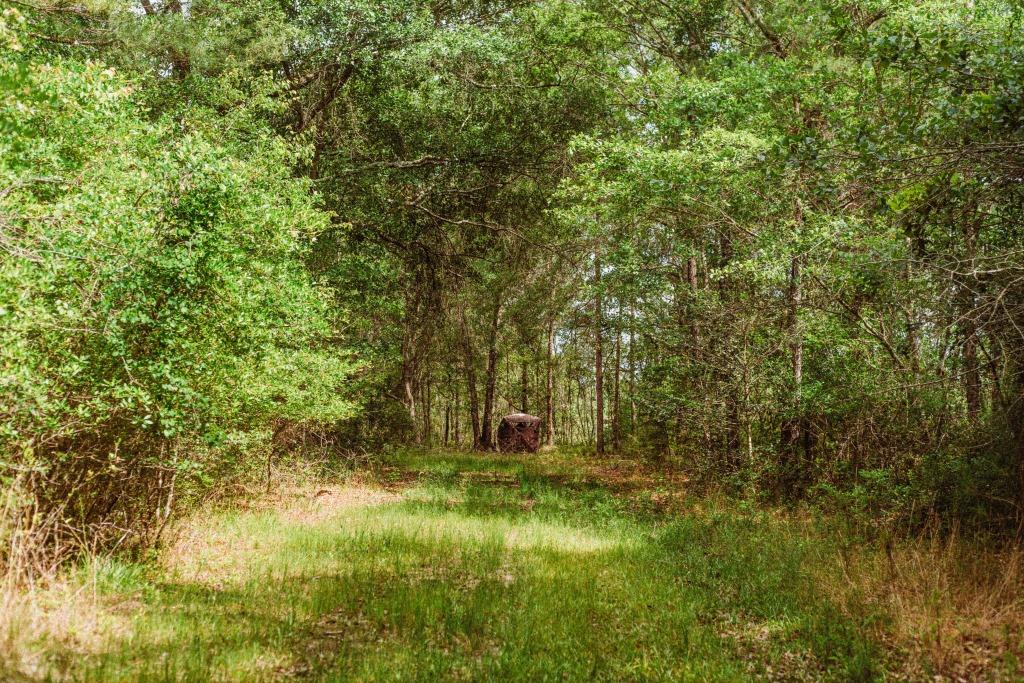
{"x": 272, "y": 272}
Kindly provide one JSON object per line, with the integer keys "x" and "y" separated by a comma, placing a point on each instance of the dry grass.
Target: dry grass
{"x": 66, "y": 615}
{"x": 328, "y": 501}
{"x": 956, "y": 608}
{"x": 37, "y": 611}
{"x": 955, "y": 605}
{"x": 49, "y": 616}
{"x": 209, "y": 550}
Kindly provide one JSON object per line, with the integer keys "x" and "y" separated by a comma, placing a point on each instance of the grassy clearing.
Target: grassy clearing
{"x": 433, "y": 566}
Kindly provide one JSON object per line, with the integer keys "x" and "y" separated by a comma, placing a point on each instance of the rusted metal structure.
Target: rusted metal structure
{"x": 519, "y": 433}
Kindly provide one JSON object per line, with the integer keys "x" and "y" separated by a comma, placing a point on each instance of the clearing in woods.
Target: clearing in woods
{"x": 443, "y": 566}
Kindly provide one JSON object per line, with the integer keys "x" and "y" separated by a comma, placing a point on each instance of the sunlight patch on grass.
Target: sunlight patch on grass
{"x": 226, "y": 550}
{"x": 221, "y": 548}
{"x": 458, "y": 528}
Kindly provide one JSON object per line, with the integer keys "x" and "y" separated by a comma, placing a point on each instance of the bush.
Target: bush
{"x": 153, "y": 301}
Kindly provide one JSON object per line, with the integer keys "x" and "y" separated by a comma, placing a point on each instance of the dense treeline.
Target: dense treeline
{"x": 779, "y": 243}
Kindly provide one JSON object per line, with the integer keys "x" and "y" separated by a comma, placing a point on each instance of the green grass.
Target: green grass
{"x": 486, "y": 568}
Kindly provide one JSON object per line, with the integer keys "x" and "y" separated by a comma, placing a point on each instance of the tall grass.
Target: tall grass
{"x": 429, "y": 566}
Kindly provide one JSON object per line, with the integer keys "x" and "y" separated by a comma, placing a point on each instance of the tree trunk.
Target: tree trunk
{"x": 794, "y": 462}
{"x": 491, "y": 379}
{"x": 569, "y": 421}
{"x": 691, "y": 273}
{"x": 550, "y": 387}
{"x": 598, "y": 360}
{"x": 409, "y": 395}
{"x": 732, "y": 399}
{"x": 590, "y": 417}
{"x": 457, "y": 437}
{"x": 972, "y": 371}
{"x": 470, "y": 370}
{"x": 1015, "y": 418}
{"x": 447, "y": 421}
{"x": 691, "y": 279}
{"x": 796, "y": 337}
{"x": 428, "y": 429}
{"x": 913, "y": 349}
{"x": 616, "y": 412}
{"x": 632, "y": 370}
{"x": 524, "y": 380}
{"x": 687, "y": 349}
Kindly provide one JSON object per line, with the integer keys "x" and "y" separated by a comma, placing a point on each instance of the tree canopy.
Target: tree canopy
{"x": 779, "y": 243}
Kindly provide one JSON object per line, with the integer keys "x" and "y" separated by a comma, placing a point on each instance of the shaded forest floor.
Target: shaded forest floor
{"x": 445, "y": 566}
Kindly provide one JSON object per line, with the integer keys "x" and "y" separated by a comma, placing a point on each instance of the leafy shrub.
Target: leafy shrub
{"x": 154, "y": 303}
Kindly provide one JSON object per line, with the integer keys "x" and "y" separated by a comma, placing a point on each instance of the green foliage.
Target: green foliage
{"x": 152, "y": 286}
{"x": 223, "y": 219}
{"x": 863, "y": 144}
{"x": 790, "y": 231}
